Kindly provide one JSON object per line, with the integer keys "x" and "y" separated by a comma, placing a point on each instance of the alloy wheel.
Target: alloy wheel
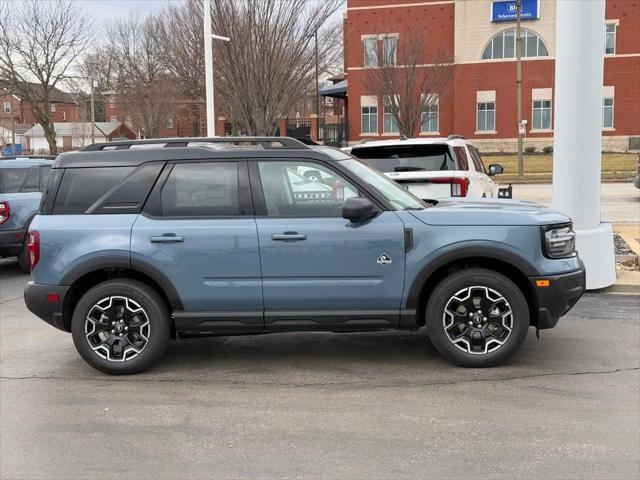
{"x": 117, "y": 328}
{"x": 477, "y": 320}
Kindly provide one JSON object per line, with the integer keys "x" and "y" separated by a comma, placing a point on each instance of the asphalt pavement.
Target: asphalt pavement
{"x": 312, "y": 405}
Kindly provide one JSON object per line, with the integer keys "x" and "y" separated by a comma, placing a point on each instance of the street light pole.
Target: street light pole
{"x": 317, "y": 89}
{"x": 208, "y": 68}
{"x": 519, "y": 85}
{"x": 93, "y": 111}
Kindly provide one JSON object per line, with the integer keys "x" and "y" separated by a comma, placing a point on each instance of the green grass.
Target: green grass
{"x": 538, "y": 168}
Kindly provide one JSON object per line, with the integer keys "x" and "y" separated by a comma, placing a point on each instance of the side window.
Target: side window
{"x": 82, "y": 187}
{"x": 303, "y": 189}
{"x": 11, "y": 179}
{"x": 477, "y": 161}
{"x": 461, "y": 155}
{"x": 201, "y": 189}
{"x": 44, "y": 174}
{"x": 32, "y": 182}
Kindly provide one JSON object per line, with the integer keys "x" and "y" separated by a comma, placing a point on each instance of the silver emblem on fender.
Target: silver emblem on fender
{"x": 384, "y": 260}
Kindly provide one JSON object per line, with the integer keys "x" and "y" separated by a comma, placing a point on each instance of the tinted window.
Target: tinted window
{"x": 201, "y": 189}
{"x": 32, "y": 182}
{"x": 461, "y": 155}
{"x": 11, "y": 179}
{"x": 406, "y": 158}
{"x": 477, "y": 162}
{"x": 44, "y": 174}
{"x": 82, "y": 187}
{"x": 303, "y": 189}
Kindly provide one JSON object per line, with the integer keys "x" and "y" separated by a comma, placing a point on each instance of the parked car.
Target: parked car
{"x": 636, "y": 179}
{"x": 136, "y": 245}
{"x": 432, "y": 168}
{"x": 21, "y": 183}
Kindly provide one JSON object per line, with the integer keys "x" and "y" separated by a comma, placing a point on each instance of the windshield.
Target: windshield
{"x": 400, "y": 198}
{"x": 406, "y": 158}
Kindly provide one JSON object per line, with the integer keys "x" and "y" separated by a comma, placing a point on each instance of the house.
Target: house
{"x": 64, "y": 107}
{"x": 75, "y": 135}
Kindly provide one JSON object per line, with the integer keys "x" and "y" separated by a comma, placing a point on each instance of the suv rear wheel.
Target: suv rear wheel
{"x": 477, "y": 318}
{"x": 120, "y": 326}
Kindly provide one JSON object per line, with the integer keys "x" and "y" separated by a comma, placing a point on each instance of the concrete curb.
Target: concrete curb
{"x": 628, "y": 282}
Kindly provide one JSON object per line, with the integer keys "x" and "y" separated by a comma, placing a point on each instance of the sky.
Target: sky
{"x": 105, "y": 10}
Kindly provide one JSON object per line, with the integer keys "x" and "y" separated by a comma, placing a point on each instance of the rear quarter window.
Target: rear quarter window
{"x": 11, "y": 179}
{"x": 82, "y": 187}
{"x": 406, "y": 158}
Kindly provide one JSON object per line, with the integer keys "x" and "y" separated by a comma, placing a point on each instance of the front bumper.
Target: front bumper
{"x": 558, "y": 298}
{"x": 11, "y": 242}
{"x": 41, "y": 300}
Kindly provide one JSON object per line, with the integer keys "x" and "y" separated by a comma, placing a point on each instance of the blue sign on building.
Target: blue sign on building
{"x": 506, "y": 11}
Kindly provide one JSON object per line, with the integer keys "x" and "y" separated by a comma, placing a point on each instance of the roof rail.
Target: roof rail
{"x": 264, "y": 142}
{"x": 455, "y": 136}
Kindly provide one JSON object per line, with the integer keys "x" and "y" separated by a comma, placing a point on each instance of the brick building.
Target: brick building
{"x": 64, "y": 108}
{"x": 479, "y": 38}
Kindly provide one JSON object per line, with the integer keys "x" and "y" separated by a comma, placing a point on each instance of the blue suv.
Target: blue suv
{"x": 21, "y": 183}
{"x": 138, "y": 242}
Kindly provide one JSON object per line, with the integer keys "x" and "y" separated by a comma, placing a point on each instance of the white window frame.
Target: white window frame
{"x": 113, "y": 119}
{"x": 387, "y": 118}
{"x": 368, "y": 60}
{"x": 525, "y": 35}
{"x": 6, "y": 107}
{"x": 613, "y": 34}
{"x": 64, "y": 116}
{"x": 369, "y": 102}
{"x": 486, "y": 111}
{"x": 541, "y": 109}
{"x": 430, "y": 110}
{"x": 53, "y": 107}
{"x": 169, "y": 123}
{"x": 613, "y": 113}
{"x": 390, "y": 55}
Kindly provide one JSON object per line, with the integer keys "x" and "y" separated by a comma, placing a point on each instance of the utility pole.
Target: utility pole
{"x": 208, "y": 68}
{"x": 13, "y": 129}
{"x": 317, "y": 89}
{"x": 519, "y": 85}
{"x": 94, "y": 83}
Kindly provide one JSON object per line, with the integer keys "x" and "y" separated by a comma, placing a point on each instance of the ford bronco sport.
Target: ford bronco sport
{"x": 141, "y": 241}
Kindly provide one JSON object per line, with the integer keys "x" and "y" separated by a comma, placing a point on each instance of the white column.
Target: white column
{"x": 577, "y": 137}
{"x": 208, "y": 70}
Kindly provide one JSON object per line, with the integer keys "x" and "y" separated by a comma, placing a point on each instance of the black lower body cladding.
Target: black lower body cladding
{"x": 558, "y": 296}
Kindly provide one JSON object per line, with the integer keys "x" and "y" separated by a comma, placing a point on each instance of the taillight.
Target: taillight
{"x": 33, "y": 247}
{"x": 459, "y": 185}
{"x": 5, "y": 212}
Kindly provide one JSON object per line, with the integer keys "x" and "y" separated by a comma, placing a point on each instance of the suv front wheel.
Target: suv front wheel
{"x": 477, "y": 318}
{"x": 120, "y": 326}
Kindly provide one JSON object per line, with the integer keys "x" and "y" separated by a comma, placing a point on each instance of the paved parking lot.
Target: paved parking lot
{"x": 380, "y": 405}
{"x": 620, "y": 201}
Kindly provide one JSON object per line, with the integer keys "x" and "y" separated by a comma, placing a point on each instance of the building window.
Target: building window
{"x": 390, "y": 49}
{"x": 369, "y": 119}
{"x": 64, "y": 116}
{"x": 7, "y": 107}
{"x": 541, "y": 115}
{"x": 170, "y": 122}
{"x": 370, "y": 52}
{"x": 53, "y": 107}
{"x": 610, "y": 38}
{"x": 486, "y": 117}
{"x": 390, "y": 125}
{"x": 430, "y": 118}
{"x": 607, "y": 113}
{"x": 127, "y": 121}
{"x": 112, "y": 101}
{"x": 113, "y": 119}
{"x": 503, "y": 45}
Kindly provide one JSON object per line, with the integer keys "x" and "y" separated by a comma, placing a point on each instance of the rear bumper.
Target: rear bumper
{"x": 559, "y": 297}
{"x": 39, "y": 300}
{"x": 11, "y": 242}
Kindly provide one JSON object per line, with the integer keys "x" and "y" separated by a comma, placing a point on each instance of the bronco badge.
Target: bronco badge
{"x": 384, "y": 260}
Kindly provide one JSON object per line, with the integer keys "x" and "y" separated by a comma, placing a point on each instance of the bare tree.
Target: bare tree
{"x": 269, "y": 62}
{"x": 38, "y": 47}
{"x": 409, "y": 80}
{"x": 145, "y": 85}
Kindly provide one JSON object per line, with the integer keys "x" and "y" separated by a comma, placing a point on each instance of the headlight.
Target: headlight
{"x": 559, "y": 241}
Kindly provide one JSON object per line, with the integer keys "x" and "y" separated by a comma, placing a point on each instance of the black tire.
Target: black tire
{"x": 443, "y": 339}
{"x": 23, "y": 259}
{"x": 154, "y": 310}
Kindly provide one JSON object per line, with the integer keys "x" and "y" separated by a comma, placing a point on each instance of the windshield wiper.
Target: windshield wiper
{"x": 408, "y": 169}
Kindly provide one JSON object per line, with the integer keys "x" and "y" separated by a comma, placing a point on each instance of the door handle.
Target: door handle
{"x": 288, "y": 237}
{"x": 166, "y": 238}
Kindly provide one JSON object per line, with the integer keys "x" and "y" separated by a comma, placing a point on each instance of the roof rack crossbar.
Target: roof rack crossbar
{"x": 264, "y": 142}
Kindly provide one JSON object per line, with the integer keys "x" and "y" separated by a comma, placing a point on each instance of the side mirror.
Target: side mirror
{"x": 495, "y": 169}
{"x": 357, "y": 209}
